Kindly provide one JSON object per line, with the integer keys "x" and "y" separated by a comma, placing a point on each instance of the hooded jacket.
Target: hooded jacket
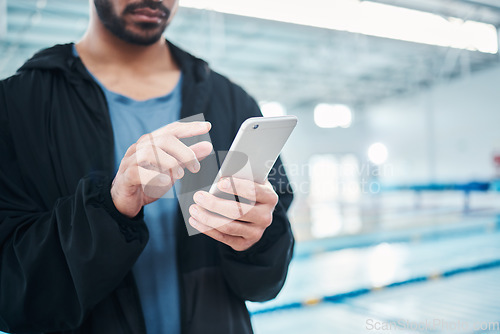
{"x": 66, "y": 253}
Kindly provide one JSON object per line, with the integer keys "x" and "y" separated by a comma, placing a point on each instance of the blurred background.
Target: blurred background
{"x": 395, "y": 160}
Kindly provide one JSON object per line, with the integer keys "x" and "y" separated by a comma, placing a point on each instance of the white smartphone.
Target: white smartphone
{"x": 255, "y": 148}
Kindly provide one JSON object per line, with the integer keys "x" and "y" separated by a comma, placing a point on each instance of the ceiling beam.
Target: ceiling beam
{"x": 489, "y": 5}
{"x": 476, "y": 10}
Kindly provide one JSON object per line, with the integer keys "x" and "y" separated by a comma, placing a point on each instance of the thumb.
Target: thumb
{"x": 154, "y": 184}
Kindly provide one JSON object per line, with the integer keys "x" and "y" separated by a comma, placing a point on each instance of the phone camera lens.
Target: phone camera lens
{"x": 255, "y": 126}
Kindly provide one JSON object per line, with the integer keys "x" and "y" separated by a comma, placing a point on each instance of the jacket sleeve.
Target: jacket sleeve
{"x": 57, "y": 263}
{"x": 258, "y": 273}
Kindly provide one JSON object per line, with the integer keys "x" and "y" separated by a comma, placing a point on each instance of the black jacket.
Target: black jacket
{"x": 66, "y": 253}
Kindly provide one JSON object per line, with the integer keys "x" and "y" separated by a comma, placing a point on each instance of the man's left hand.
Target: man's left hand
{"x": 238, "y": 225}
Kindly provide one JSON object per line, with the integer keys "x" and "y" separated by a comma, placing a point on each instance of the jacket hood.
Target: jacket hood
{"x": 53, "y": 58}
{"x": 60, "y": 57}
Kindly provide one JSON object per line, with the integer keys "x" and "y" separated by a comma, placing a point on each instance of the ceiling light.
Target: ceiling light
{"x": 270, "y": 109}
{"x": 377, "y": 153}
{"x": 365, "y": 17}
{"x": 332, "y": 115}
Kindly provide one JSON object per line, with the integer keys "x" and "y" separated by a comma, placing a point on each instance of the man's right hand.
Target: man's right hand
{"x": 152, "y": 165}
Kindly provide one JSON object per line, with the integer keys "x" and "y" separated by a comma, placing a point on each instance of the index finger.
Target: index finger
{"x": 184, "y": 129}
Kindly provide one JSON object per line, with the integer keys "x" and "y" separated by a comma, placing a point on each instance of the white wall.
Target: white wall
{"x": 447, "y": 133}
{"x": 308, "y": 140}
{"x": 444, "y": 134}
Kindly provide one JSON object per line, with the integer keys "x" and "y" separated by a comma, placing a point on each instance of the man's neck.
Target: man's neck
{"x": 101, "y": 46}
{"x": 139, "y": 72}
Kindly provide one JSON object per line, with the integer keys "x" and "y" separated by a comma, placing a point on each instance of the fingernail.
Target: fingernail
{"x": 209, "y": 125}
{"x": 163, "y": 179}
{"x": 193, "y": 222}
{"x": 193, "y": 210}
{"x": 199, "y": 197}
{"x": 196, "y": 166}
{"x": 180, "y": 172}
{"x": 225, "y": 184}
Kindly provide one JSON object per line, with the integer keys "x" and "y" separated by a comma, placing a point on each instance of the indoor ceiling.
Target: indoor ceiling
{"x": 298, "y": 66}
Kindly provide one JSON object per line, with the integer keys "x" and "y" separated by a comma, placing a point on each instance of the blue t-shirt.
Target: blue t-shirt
{"x": 156, "y": 269}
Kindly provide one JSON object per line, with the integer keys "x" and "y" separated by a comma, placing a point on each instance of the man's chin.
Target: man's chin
{"x": 142, "y": 38}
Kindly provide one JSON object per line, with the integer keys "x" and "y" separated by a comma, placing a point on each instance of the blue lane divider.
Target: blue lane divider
{"x": 466, "y": 187}
{"x": 355, "y": 293}
{"x": 495, "y": 185}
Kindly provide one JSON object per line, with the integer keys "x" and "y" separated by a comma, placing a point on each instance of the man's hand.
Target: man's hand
{"x": 152, "y": 165}
{"x": 238, "y": 225}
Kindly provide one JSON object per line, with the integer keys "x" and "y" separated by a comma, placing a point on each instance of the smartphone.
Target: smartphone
{"x": 255, "y": 149}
